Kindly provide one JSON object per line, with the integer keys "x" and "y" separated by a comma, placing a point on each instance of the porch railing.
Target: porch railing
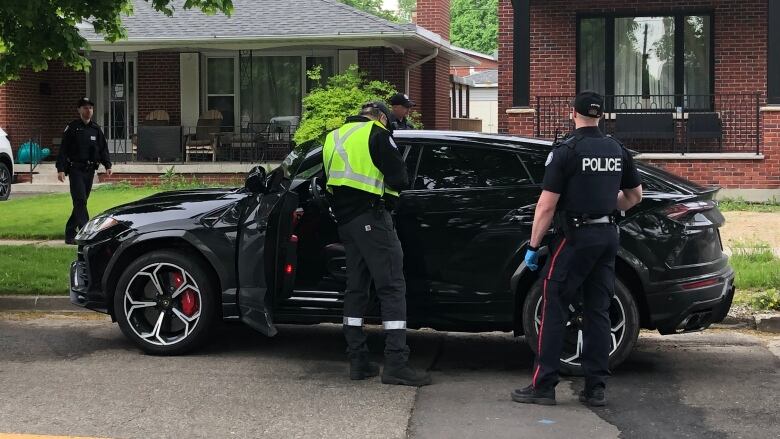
{"x": 255, "y": 143}
{"x": 726, "y": 123}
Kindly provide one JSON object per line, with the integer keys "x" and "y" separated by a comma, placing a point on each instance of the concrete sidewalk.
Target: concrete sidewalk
{"x": 56, "y": 304}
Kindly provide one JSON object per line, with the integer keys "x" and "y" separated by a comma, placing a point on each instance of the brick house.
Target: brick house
{"x": 251, "y": 67}
{"x": 693, "y": 85}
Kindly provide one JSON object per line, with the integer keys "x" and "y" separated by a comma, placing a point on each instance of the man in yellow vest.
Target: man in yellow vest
{"x": 365, "y": 172}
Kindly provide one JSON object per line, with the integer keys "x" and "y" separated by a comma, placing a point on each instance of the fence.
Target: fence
{"x": 666, "y": 123}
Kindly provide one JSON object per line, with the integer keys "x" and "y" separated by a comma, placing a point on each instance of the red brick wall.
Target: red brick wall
{"x": 740, "y": 67}
{"x": 383, "y": 64}
{"x": 434, "y": 15}
{"x": 159, "y": 86}
{"x": 27, "y": 113}
{"x": 436, "y": 88}
{"x": 740, "y": 63}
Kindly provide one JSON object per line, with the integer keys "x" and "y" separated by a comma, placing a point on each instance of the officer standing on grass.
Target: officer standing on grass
{"x": 83, "y": 148}
{"x": 365, "y": 173}
{"x": 587, "y": 178}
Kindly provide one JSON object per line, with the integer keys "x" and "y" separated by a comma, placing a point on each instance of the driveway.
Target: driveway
{"x": 79, "y": 376}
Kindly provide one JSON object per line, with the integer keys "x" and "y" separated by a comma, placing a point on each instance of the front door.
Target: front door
{"x": 112, "y": 86}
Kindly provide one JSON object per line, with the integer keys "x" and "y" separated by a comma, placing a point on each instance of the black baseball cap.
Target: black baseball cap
{"x": 401, "y": 99}
{"x": 85, "y": 101}
{"x": 589, "y": 103}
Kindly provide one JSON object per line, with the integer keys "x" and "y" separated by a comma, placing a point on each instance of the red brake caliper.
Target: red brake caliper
{"x": 189, "y": 300}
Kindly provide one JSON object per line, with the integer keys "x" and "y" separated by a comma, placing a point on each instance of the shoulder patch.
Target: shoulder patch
{"x": 549, "y": 159}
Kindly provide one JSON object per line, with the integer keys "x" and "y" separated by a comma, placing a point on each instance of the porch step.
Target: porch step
{"x": 44, "y": 188}
{"x": 46, "y": 174}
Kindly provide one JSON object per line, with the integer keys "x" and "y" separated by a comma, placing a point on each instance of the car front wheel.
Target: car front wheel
{"x": 624, "y": 327}
{"x": 164, "y": 303}
{"x": 5, "y": 182}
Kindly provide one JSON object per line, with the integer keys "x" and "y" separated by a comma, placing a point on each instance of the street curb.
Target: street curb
{"x": 39, "y": 303}
{"x": 768, "y": 323}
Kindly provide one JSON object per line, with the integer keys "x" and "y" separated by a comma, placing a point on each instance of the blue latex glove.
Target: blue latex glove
{"x": 532, "y": 259}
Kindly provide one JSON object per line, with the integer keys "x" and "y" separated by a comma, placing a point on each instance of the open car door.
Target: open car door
{"x": 257, "y": 251}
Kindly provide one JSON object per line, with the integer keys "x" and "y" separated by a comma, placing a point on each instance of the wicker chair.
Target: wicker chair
{"x": 206, "y": 136}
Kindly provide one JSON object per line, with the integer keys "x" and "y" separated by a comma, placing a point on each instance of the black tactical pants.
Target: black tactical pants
{"x": 374, "y": 253}
{"x": 585, "y": 259}
{"x": 80, "y": 187}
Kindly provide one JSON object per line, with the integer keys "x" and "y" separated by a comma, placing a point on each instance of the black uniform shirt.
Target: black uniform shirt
{"x": 400, "y": 124}
{"x": 82, "y": 143}
{"x": 588, "y": 170}
{"x": 348, "y": 202}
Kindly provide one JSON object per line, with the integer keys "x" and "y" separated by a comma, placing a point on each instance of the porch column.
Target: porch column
{"x": 521, "y": 80}
{"x": 773, "y": 52}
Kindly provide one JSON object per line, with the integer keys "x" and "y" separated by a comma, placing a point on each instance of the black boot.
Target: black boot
{"x": 398, "y": 371}
{"x": 594, "y": 398}
{"x": 360, "y": 368}
{"x": 529, "y": 395}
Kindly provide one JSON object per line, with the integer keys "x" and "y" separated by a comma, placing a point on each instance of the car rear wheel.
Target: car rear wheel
{"x": 164, "y": 303}
{"x": 5, "y": 182}
{"x": 624, "y": 318}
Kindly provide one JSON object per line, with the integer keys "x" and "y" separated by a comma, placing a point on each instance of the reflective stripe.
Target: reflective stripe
{"x": 353, "y": 321}
{"x": 394, "y": 324}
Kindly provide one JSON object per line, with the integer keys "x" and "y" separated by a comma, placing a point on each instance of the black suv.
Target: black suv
{"x": 167, "y": 266}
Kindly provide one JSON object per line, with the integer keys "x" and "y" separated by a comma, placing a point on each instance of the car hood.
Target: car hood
{"x": 174, "y": 206}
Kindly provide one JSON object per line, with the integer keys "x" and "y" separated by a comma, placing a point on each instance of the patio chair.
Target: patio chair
{"x": 247, "y": 145}
{"x": 156, "y": 118}
{"x": 206, "y": 136}
{"x": 645, "y": 126}
{"x": 704, "y": 126}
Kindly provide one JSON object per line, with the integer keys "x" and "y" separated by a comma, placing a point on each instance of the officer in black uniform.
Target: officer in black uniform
{"x": 401, "y": 105}
{"x": 373, "y": 251}
{"x": 83, "y": 148}
{"x": 587, "y": 178}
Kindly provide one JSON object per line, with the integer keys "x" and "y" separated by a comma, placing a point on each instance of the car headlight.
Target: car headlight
{"x": 96, "y": 225}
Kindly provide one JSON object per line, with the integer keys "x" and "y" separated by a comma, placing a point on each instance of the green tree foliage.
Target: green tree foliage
{"x": 405, "y": 8}
{"x": 475, "y": 25}
{"x": 34, "y": 32}
{"x": 325, "y": 108}
{"x": 372, "y": 7}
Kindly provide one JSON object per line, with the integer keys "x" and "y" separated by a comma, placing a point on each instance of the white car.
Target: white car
{"x": 6, "y": 166}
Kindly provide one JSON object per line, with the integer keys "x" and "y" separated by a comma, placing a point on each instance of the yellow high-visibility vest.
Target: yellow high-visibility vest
{"x": 347, "y": 159}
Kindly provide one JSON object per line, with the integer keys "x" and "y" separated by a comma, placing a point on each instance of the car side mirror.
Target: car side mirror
{"x": 255, "y": 181}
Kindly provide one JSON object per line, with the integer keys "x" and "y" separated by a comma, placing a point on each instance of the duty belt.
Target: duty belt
{"x": 586, "y": 221}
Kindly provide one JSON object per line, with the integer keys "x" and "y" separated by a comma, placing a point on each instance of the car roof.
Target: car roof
{"x": 543, "y": 145}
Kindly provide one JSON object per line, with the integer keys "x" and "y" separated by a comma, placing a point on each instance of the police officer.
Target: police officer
{"x": 83, "y": 148}
{"x": 401, "y": 105}
{"x": 587, "y": 178}
{"x": 365, "y": 172}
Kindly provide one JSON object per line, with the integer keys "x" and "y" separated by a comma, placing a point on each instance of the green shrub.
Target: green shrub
{"x": 739, "y": 204}
{"x": 325, "y": 108}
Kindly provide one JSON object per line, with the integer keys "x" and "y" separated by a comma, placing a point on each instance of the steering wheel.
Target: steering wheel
{"x": 317, "y": 194}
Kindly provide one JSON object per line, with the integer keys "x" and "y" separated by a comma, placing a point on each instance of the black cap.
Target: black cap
{"x": 401, "y": 99}
{"x": 379, "y": 106}
{"x": 85, "y": 101}
{"x": 589, "y": 103}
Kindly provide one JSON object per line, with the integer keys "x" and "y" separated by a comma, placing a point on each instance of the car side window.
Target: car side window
{"x": 456, "y": 166}
{"x": 535, "y": 163}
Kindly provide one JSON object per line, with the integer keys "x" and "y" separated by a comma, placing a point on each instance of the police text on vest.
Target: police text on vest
{"x": 602, "y": 164}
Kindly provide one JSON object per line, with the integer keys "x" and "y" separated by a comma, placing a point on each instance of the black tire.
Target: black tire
{"x": 626, "y": 339}
{"x": 5, "y": 182}
{"x": 165, "y": 263}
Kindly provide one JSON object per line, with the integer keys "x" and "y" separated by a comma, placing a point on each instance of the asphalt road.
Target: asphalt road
{"x": 71, "y": 376}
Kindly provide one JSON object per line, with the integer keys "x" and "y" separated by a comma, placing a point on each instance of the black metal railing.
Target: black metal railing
{"x": 254, "y": 143}
{"x": 666, "y": 123}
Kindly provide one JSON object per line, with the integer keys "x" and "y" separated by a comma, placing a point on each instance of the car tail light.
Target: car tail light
{"x": 288, "y": 269}
{"x": 699, "y": 284}
{"x": 678, "y": 211}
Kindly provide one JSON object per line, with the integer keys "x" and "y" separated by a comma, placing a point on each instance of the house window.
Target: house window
{"x": 221, "y": 90}
{"x": 273, "y": 90}
{"x": 648, "y": 62}
{"x": 326, "y": 63}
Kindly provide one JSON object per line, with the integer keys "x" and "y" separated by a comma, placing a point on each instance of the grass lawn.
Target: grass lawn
{"x": 44, "y": 216}
{"x": 35, "y": 270}
{"x": 738, "y": 204}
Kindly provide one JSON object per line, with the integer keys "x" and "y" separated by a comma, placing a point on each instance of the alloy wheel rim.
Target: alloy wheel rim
{"x": 4, "y": 182}
{"x": 162, "y": 304}
{"x": 573, "y": 339}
